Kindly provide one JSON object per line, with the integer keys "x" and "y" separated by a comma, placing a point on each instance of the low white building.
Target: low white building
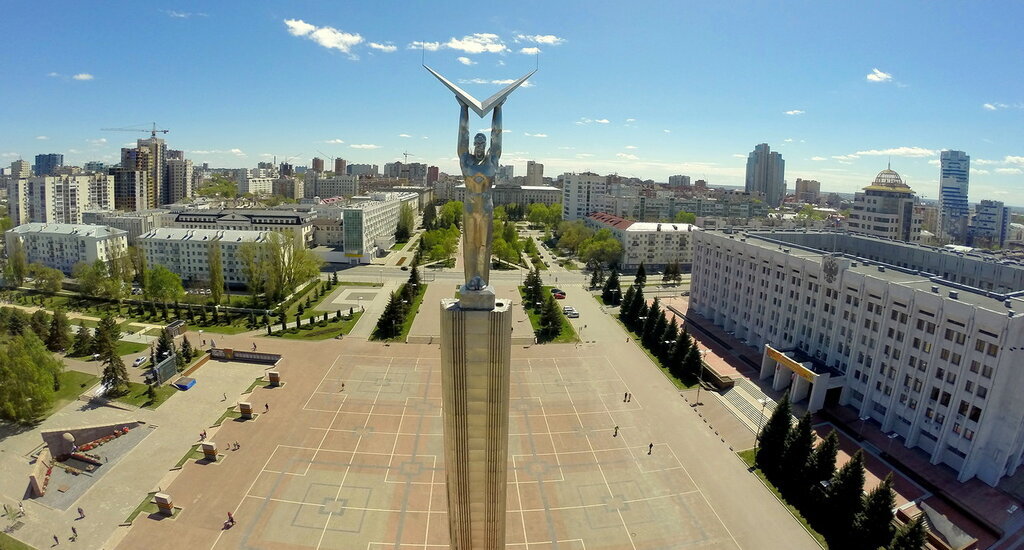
{"x": 256, "y": 186}
{"x": 656, "y": 245}
{"x": 135, "y": 223}
{"x": 62, "y": 245}
{"x": 295, "y": 222}
{"x": 186, "y": 252}
{"x": 363, "y": 228}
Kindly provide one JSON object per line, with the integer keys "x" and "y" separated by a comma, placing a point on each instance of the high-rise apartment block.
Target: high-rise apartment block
{"x": 179, "y": 180}
{"x": 505, "y": 173}
{"x": 886, "y": 209}
{"x": 433, "y": 173}
{"x": 362, "y": 170}
{"x": 991, "y": 224}
{"x": 766, "y": 175}
{"x": 534, "y": 173}
{"x": 21, "y": 169}
{"x": 923, "y": 342}
{"x": 58, "y": 199}
{"x": 47, "y": 164}
{"x": 132, "y": 189}
{"x": 339, "y": 166}
{"x": 954, "y": 179}
{"x": 808, "y": 191}
{"x": 581, "y": 194}
{"x": 679, "y": 181}
{"x": 318, "y": 164}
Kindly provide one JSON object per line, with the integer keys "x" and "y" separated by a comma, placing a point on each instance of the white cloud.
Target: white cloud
{"x": 845, "y": 157}
{"x": 501, "y": 63}
{"x": 404, "y": 136}
{"x": 989, "y": 106}
{"x": 900, "y": 152}
{"x": 83, "y": 76}
{"x": 795, "y": 112}
{"x": 627, "y": 156}
{"x": 10, "y": 155}
{"x": 1009, "y": 171}
{"x": 934, "y": 162}
{"x": 584, "y": 155}
{"x": 878, "y": 76}
{"x": 334, "y": 141}
{"x": 530, "y": 51}
{"x": 632, "y": 147}
{"x": 99, "y": 141}
{"x": 788, "y": 140}
{"x": 630, "y": 120}
{"x": 548, "y": 39}
{"x": 535, "y": 135}
{"x": 738, "y": 156}
{"x": 52, "y": 75}
{"x": 667, "y": 131}
{"x": 601, "y": 121}
{"x": 466, "y": 61}
{"x": 386, "y": 48}
{"x": 364, "y": 146}
{"x": 1014, "y": 160}
{"x": 979, "y": 171}
{"x": 429, "y": 46}
{"x": 818, "y": 158}
{"x": 182, "y": 14}
{"x": 328, "y": 37}
{"x": 74, "y": 151}
{"x": 506, "y": 81}
{"x": 480, "y": 42}
{"x": 42, "y": 137}
{"x": 237, "y": 152}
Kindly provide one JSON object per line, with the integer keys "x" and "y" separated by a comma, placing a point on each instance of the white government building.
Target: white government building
{"x": 62, "y": 245}
{"x": 925, "y": 342}
{"x": 186, "y": 252}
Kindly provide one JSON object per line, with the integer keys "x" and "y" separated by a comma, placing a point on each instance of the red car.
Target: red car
{"x": 559, "y": 296}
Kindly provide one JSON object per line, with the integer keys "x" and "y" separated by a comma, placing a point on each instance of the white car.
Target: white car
{"x": 140, "y": 361}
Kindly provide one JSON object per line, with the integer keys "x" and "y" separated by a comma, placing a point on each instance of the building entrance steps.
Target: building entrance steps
{"x": 747, "y": 408}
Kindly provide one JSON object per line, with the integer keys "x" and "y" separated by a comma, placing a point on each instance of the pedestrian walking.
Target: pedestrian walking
{"x": 616, "y": 434}
{"x": 254, "y": 346}
{"x": 56, "y": 540}
{"x": 7, "y": 511}
{"x": 342, "y": 386}
{"x": 629, "y": 397}
{"x": 204, "y": 342}
{"x": 81, "y": 512}
{"x": 21, "y": 509}
{"x": 650, "y": 448}
{"x": 225, "y": 398}
{"x": 231, "y": 518}
{"x": 266, "y": 407}
{"x": 74, "y": 533}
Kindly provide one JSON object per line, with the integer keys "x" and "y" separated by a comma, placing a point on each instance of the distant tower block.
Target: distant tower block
{"x": 274, "y": 377}
{"x": 164, "y": 504}
{"x": 210, "y": 451}
{"x": 246, "y": 409}
{"x": 476, "y": 344}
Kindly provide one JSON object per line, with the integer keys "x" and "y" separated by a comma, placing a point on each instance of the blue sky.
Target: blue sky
{"x": 640, "y": 88}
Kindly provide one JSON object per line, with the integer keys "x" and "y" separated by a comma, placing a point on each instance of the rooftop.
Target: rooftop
{"x": 177, "y": 234}
{"x": 84, "y": 230}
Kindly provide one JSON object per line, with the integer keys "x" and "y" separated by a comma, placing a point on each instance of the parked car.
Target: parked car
{"x": 405, "y": 268}
{"x": 572, "y": 314}
{"x": 559, "y": 295}
{"x": 140, "y": 361}
{"x": 557, "y": 291}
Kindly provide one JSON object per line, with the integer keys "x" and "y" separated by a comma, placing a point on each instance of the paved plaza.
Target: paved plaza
{"x": 362, "y": 466}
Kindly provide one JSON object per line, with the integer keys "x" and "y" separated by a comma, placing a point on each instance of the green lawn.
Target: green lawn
{"x": 414, "y": 308}
{"x": 8, "y": 542}
{"x": 747, "y": 457}
{"x": 147, "y": 506}
{"x": 194, "y": 452}
{"x": 132, "y": 329}
{"x": 399, "y": 245}
{"x": 566, "y": 336}
{"x": 231, "y": 412}
{"x": 352, "y": 283}
{"x": 123, "y": 348}
{"x": 72, "y": 384}
{"x": 316, "y": 332}
{"x": 137, "y": 395}
{"x": 237, "y": 327}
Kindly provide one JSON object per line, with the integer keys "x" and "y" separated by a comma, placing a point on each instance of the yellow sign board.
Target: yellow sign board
{"x": 790, "y": 364}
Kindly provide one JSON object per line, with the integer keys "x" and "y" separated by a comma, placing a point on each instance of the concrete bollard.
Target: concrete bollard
{"x": 274, "y": 377}
{"x": 245, "y": 408}
{"x": 164, "y": 504}
{"x": 210, "y": 451}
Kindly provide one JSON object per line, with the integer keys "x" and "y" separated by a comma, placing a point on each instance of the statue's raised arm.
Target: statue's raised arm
{"x": 463, "y": 129}
{"x": 495, "y": 151}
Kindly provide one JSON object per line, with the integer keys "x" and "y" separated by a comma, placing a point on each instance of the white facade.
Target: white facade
{"x": 60, "y": 199}
{"x": 17, "y": 200}
{"x": 656, "y": 245}
{"x": 369, "y": 224}
{"x": 180, "y": 180}
{"x": 679, "y": 180}
{"x": 934, "y": 359}
{"x": 581, "y": 195}
{"x": 991, "y": 224}
{"x": 886, "y": 209}
{"x": 61, "y": 245}
{"x": 534, "y": 173}
{"x": 186, "y": 252}
{"x": 296, "y": 223}
{"x": 135, "y": 223}
{"x": 256, "y": 186}
{"x": 766, "y": 175}
{"x": 336, "y": 186}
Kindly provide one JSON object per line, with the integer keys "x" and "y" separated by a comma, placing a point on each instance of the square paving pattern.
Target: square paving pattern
{"x": 363, "y": 465}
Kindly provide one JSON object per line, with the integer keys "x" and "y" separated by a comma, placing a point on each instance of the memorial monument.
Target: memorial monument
{"x": 476, "y": 346}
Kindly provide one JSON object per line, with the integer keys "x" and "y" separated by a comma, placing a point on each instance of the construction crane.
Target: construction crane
{"x": 406, "y": 155}
{"x": 152, "y": 132}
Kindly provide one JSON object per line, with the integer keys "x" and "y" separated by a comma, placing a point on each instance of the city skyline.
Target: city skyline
{"x": 837, "y": 90}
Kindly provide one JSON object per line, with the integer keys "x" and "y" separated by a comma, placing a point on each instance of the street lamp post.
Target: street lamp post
{"x": 860, "y": 431}
{"x": 700, "y": 374}
{"x": 760, "y": 423}
{"x": 888, "y": 446}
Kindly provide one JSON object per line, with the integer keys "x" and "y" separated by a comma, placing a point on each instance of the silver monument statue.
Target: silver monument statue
{"x": 479, "y": 167}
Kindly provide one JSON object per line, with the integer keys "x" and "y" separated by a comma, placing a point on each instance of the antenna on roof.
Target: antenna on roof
{"x": 888, "y": 166}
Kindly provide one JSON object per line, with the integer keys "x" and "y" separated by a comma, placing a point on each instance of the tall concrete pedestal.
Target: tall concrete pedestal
{"x": 476, "y": 345}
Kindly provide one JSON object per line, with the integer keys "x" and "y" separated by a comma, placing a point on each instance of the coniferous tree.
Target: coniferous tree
{"x": 822, "y": 465}
{"x": 772, "y": 443}
{"x": 692, "y": 363}
{"x": 17, "y": 323}
{"x": 910, "y": 537}
{"x": 668, "y": 339}
{"x": 83, "y": 342}
{"x": 873, "y": 526}
{"x": 39, "y": 322}
{"x": 678, "y": 355}
{"x": 626, "y": 305}
{"x": 595, "y": 279}
{"x": 648, "y": 332}
{"x": 164, "y": 346}
{"x": 115, "y": 375}
{"x": 612, "y": 293}
{"x": 799, "y": 446}
{"x": 657, "y": 344}
{"x": 105, "y": 336}
{"x": 641, "y": 276}
{"x": 550, "y": 319}
{"x": 636, "y": 308}
{"x": 844, "y": 499}
{"x": 59, "y": 336}
{"x": 187, "y": 351}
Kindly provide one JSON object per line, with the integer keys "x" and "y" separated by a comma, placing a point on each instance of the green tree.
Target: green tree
{"x": 39, "y": 322}
{"x": 677, "y": 357}
{"x": 844, "y": 499}
{"x": 406, "y": 222}
{"x": 911, "y": 536}
{"x": 59, "y": 336}
{"x": 641, "y": 276}
{"x": 17, "y": 262}
{"x": 660, "y": 325}
{"x": 550, "y": 319}
{"x": 26, "y": 361}
{"x": 602, "y": 248}
{"x": 46, "y": 279}
{"x": 873, "y": 526}
{"x": 626, "y": 306}
{"x": 693, "y": 363}
{"x": 115, "y": 375}
{"x": 572, "y": 234}
{"x": 164, "y": 285}
{"x": 685, "y": 217}
{"x": 429, "y": 216}
{"x": 822, "y": 464}
{"x": 390, "y": 323}
{"x": 612, "y": 292}
{"x": 636, "y": 307}
{"x": 798, "y": 450}
{"x": 105, "y": 336}
{"x": 139, "y": 266}
{"x": 596, "y": 276}
{"x": 83, "y": 342}
{"x": 216, "y": 271}
{"x": 451, "y": 215}
{"x": 668, "y": 341}
{"x": 164, "y": 346}
{"x": 772, "y": 444}
{"x": 648, "y": 332}
{"x": 186, "y": 348}
{"x": 89, "y": 278}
